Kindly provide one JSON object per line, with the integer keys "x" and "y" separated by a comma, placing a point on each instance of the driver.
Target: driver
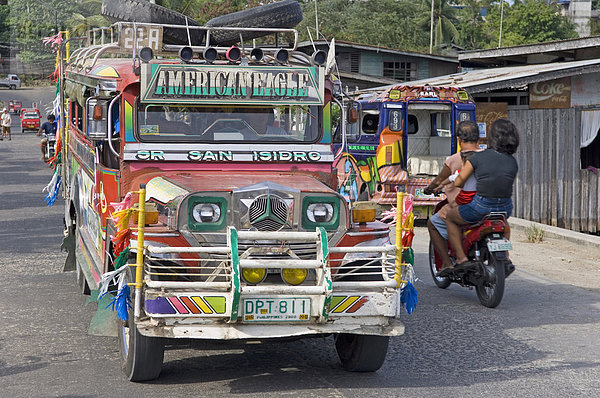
{"x": 48, "y": 129}
{"x": 262, "y": 121}
{"x": 467, "y": 135}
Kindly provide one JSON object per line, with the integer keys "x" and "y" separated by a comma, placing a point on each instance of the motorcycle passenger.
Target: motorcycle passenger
{"x": 48, "y": 129}
{"x": 495, "y": 170}
{"x": 467, "y": 136}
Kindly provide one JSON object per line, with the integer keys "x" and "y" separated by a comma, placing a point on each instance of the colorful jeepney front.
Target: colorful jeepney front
{"x": 252, "y": 241}
{"x": 400, "y": 142}
{"x": 241, "y": 233}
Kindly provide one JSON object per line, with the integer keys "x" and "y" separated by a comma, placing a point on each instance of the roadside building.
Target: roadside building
{"x": 362, "y": 66}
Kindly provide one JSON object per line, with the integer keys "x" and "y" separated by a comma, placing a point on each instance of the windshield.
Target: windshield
{"x": 160, "y": 123}
{"x": 30, "y": 115}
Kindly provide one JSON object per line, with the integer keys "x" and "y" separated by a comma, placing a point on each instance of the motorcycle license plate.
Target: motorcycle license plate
{"x": 499, "y": 245}
{"x": 276, "y": 309}
{"x": 420, "y": 195}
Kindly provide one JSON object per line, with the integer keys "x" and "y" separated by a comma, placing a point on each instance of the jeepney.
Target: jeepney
{"x": 223, "y": 157}
{"x": 398, "y": 139}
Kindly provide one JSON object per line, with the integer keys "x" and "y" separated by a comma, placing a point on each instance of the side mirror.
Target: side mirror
{"x": 97, "y": 123}
{"x": 352, "y": 114}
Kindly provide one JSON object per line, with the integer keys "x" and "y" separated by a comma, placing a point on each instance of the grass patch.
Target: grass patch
{"x": 534, "y": 234}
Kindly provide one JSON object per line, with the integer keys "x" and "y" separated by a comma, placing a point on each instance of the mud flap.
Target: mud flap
{"x": 105, "y": 321}
{"x": 68, "y": 245}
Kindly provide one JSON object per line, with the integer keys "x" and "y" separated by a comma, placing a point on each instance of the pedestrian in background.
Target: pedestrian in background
{"x": 6, "y": 122}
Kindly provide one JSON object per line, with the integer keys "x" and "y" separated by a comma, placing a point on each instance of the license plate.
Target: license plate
{"x": 276, "y": 309}
{"x": 499, "y": 245}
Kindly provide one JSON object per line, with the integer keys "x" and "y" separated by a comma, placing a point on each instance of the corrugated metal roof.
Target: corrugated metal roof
{"x": 367, "y": 47}
{"x": 529, "y": 49}
{"x": 488, "y": 79}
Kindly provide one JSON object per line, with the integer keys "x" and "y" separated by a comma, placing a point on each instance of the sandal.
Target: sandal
{"x": 444, "y": 272}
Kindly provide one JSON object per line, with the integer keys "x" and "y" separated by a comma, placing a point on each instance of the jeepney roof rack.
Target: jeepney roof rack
{"x": 145, "y": 41}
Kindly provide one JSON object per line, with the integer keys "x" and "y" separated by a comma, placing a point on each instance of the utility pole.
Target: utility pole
{"x": 431, "y": 30}
{"x": 501, "y": 17}
{"x": 316, "y": 21}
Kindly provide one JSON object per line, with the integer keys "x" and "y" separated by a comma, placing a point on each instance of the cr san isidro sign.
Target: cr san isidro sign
{"x": 231, "y": 84}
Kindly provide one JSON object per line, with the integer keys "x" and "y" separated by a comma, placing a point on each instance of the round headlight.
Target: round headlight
{"x": 294, "y": 276}
{"x": 206, "y": 212}
{"x": 319, "y": 212}
{"x": 254, "y": 275}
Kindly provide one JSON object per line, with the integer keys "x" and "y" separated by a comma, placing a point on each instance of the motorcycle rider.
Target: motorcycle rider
{"x": 49, "y": 129}
{"x": 495, "y": 170}
{"x": 467, "y": 136}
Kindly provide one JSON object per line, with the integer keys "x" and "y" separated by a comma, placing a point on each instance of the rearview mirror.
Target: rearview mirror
{"x": 352, "y": 114}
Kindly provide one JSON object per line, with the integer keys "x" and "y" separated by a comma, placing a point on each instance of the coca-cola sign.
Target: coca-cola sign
{"x": 550, "y": 94}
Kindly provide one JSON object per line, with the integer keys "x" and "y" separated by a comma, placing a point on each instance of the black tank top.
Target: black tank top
{"x": 494, "y": 172}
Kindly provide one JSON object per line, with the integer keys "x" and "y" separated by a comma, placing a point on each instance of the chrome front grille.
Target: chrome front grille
{"x": 303, "y": 250}
{"x": 268, "y": 213}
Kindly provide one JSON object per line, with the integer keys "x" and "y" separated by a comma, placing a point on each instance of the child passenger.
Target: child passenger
{"x": 468, "y": 191}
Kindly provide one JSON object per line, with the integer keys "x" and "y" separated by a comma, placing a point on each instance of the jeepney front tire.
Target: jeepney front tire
{"x": 141, "y": 356}
{"x": 361, "y": 353}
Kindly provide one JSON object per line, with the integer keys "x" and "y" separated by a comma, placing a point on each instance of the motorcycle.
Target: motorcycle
{"x": 486, "y": 248}
{"x": 50, "y": 145}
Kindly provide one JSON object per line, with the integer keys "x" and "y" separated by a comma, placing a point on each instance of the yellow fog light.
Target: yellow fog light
{"x": 294, "y": 276}
{"x": 254, "y": 275}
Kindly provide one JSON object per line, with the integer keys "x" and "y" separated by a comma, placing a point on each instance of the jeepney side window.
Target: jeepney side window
{"x": 72, "y": 116}
{"x": 76, "y": 115}
{"x": 413, "y": 124}
{"x": 441, "y": 123}
{"x": 370, "y": 122}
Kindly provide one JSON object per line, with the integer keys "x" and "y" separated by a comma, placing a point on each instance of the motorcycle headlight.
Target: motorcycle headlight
{"x": 320, "y": 211}
{"x": 207, "y": 213}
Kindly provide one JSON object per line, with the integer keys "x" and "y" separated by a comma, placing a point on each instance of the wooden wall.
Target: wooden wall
{"x": 550, "y": 187}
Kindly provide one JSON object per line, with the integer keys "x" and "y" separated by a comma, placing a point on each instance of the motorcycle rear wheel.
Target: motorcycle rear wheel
{"x": 439, "y": 281}
{"x": 490, "y": 293}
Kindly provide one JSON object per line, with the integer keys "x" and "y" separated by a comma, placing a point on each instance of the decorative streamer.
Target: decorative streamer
{"x": 121, "y": 260}
{"x": 124, "y": 204}
{"x": 121, "y": 217}
{"x": 121, "y": 302}
{"x": 53, "y": 187}
{"x": 54, "y": 42}
{"x": 408, "y": 293}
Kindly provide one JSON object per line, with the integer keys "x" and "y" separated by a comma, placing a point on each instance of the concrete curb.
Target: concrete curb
{"x": 555, "y": 232}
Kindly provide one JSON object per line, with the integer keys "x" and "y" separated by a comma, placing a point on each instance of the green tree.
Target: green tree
{"x": 473, "y": 30}
{"x": 444, "y": 24}
{"x": 87, "y": 17}
{"x": 528, "y": 22}
{"x": 395, "y": 24}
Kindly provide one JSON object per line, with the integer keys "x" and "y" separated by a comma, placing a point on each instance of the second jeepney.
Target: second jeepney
{"x": 240, "y": 232}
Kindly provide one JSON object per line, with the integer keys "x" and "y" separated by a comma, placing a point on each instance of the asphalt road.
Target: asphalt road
{"x": 542, "y": 341}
